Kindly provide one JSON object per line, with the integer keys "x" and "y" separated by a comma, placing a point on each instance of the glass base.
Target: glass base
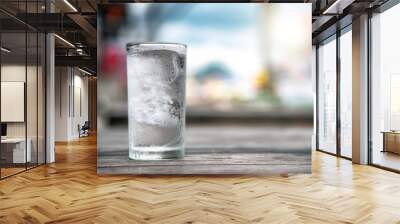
{"x": 156, "y": 153}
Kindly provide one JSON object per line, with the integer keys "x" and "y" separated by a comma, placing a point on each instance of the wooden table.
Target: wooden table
{"x": 217, "y": 149}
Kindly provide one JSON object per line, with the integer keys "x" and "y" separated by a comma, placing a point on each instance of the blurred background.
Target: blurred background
{"x": 249, "y": 79}
{"x": 243, "y": 60}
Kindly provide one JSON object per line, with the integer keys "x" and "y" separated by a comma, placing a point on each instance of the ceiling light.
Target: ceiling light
{"x": 84, "y": 71}
{"x": 5, "y": 50}
{"x": 70, "y": 5}
{"x": 65, "y": 41}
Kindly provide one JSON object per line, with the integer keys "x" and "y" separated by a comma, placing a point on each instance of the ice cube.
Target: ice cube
{"x": 154, "y": 79}
{"x": 161, "y": 64}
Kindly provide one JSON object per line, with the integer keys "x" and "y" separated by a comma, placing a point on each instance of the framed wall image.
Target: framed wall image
{"x": 204, "y": 88}
{"x": 12, "y": 101}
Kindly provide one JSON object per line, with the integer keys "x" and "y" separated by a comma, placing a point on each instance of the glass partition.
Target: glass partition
{"x": 32, "y": 95}
{"x": 14, "y": 153}
{"x": 346, "y": 93}
{"x": 22, "y": 87}
{"x": 327, "y": 96}
{"x": 33, "y": 41}
{"x": 385, "y": 89}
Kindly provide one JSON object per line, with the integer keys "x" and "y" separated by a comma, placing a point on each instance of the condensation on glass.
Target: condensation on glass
{"x": 156, "y": 100}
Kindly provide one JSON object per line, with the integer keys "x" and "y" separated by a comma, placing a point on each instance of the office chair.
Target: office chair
{"x": 84, "y": 130}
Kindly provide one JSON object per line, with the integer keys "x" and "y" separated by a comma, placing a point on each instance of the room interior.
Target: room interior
{"x": 22, "y": 102}
{"x": 48, "y": 92}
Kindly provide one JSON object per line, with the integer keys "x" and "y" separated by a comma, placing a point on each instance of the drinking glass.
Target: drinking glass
{"x": 156, "y": 100}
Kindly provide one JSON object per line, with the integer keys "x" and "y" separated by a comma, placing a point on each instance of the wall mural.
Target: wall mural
{"x": 204, "y": 88}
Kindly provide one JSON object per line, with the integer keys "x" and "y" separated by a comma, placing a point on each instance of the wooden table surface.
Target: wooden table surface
{"x": 218, "y": 149}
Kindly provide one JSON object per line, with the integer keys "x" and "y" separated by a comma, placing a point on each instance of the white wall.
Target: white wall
{"x": 80, "y": 89}
{"x": 9, "y": 73}
{"x": 33, "y": 125}
{"x": 62, "y": 81}
{"x": 70, "y": 83}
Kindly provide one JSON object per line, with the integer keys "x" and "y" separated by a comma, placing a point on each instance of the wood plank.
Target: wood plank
{"x": 218, "y": 149}
{"x": 70, "y": 191}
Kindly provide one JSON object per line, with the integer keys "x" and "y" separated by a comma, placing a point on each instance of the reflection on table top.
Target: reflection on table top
{"x": 218, "y": 149}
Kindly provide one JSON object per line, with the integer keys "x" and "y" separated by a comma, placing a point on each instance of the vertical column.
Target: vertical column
{"x": 338, "y": 91}
{"x": 50, "y": 92}
{"x": 360, "y": 90}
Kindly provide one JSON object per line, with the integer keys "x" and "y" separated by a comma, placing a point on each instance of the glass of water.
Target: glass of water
{"x": 156, "y": 100}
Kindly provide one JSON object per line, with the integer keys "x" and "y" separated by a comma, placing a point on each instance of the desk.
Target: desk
{"x": 18, "y": 149}
{"x": 391, "y": 141}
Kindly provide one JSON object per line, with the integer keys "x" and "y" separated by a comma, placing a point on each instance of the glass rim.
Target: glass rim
{"x": 132, "y": 44}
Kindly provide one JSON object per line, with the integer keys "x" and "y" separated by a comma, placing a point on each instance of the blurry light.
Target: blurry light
{"x": 5, "y": 50}
{"x": 80, "y": 45}
{"x": 64, "y": 40}
{"x": 80, "y": 51}
{"x": 84, "y": 71}
{"x": 70, "y": 5}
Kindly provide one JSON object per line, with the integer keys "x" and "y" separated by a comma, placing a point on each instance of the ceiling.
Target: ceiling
{"x": 331, "y": 15}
